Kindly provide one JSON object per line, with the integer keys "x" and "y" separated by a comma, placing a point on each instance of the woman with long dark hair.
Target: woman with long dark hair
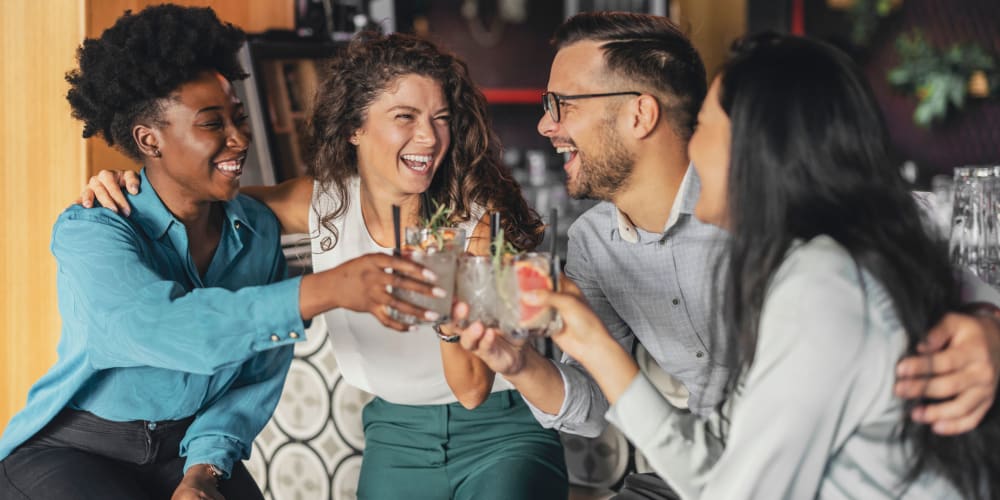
{"x": 830, "y": 276}
{"x": 399, "y": 121}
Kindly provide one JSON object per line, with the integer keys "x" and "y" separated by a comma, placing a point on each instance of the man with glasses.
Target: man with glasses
{"x": 623, "y": 94}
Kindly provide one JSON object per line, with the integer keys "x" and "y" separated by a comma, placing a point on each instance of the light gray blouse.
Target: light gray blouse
{"x": 815, "y": 416}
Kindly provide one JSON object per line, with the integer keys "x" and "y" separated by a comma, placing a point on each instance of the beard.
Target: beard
{"x": 601, "y": 175}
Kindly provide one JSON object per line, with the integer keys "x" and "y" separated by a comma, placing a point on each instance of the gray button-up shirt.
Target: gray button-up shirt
{"x": 651, "y": 287}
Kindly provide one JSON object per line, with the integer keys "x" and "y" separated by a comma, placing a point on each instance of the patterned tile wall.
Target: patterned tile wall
{"x": 311, "y": 449}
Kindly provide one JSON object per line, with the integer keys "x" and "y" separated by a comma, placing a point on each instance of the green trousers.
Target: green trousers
{"x": 442, "y": 452}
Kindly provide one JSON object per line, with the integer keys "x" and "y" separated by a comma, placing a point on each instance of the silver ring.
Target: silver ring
{"x": 393, "y": 313}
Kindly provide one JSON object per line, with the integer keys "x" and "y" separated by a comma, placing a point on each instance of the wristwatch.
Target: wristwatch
{"x": 215, "y": 472}
{"x": 451, "y": 339}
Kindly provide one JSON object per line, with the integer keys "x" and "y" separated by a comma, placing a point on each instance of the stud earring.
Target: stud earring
{"x": 156, "y": 153}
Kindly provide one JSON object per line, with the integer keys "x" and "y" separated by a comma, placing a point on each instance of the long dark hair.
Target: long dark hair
{"x": 810, "y": 157}
{"x": 472, "y": 171}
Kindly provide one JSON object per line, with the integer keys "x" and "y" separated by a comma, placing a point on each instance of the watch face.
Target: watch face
{"x": 215, "y": 471}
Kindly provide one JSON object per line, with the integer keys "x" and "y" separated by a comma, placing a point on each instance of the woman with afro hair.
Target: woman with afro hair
{"x": 177, "y": 328}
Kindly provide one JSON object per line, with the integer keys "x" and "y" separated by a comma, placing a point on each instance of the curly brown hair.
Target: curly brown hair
{"x": 470, "y": 174}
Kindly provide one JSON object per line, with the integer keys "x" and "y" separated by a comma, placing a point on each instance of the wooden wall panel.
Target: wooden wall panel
{"x": 41, "y": 169}
{"x": 712, "y": 27}
{"x": 251, "y": 15}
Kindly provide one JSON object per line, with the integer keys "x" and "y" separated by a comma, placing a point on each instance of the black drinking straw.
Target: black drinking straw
{"x": 494, "y": 229}
{"x": 554, "y": 235}
{"x": 395, "y": 229}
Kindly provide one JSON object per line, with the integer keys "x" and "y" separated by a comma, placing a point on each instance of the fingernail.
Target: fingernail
{"x": 127, "y": 211}
{"x": 87, "y": 204}
{"x": 431, "y": 316}
{"x": 133, "y": 189}
{"x": 412, "y": 328}
{"x": 917, "y": 415}
{"x": 430, "y": 275}
{"x": 439, "y": 292}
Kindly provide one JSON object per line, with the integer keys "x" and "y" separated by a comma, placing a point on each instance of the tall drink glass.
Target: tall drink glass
{"x": 475, "y": 285}
{"x": 438, "y": 251}
{"x": 525, "y": 272}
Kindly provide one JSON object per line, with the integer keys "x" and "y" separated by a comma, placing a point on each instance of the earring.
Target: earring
{"x": 354, "y": 140}
{"x": 156, "y": 153}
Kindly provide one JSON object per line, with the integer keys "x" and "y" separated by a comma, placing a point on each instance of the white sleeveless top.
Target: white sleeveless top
{"x": 402, "y": 368}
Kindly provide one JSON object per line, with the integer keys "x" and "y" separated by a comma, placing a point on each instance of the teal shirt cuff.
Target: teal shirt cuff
{"x": 281, "y": 316}
{"x": 219, "y": 451}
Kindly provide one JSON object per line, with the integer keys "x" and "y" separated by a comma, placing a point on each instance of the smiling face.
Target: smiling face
{"x": 598, "y": 161}
{"x": 709, "y": 152}
{"x": 405, "y": 136}
{"x": 202, "y": 138}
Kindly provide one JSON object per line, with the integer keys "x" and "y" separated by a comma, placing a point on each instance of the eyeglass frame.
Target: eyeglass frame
{"x": 558, "y": 98}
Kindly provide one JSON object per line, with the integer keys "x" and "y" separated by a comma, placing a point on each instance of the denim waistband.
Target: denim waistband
{"x": 138, "y": 442}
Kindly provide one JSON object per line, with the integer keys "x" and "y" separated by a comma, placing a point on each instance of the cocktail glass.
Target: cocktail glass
{"x": 437, "y": 250}
{"x": 475, "y": 285}
{"x": 525, "y": 272}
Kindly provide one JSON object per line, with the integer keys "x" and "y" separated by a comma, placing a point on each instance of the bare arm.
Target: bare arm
{"x": 585, "y": 339}
{"x": 289, "y": 201}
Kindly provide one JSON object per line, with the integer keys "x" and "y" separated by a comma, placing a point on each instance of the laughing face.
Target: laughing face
{"x": 202, "y": 140}
{"x": 598, "y": 163}
{"x": 405, "y": 135}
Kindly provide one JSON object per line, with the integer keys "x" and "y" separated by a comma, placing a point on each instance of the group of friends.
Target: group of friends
{"x": 752, "y": 235}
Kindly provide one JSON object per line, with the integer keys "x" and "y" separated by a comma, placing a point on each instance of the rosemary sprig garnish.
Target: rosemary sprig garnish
{"x": 438, "y": 221}
{"x": 503, "y": 249}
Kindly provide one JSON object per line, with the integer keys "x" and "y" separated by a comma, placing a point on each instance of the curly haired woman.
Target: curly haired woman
{"x": 177, "y": 330}
{"x": 400, "y": 122}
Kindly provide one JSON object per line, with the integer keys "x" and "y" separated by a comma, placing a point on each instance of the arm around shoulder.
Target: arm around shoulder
{"x": 290, "y": 202}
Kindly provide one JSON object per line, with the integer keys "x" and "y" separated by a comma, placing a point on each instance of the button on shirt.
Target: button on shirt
{"x": 651, "y": 287}
{"x": 145, "y": 337}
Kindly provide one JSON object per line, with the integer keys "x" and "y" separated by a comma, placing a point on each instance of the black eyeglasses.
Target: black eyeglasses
{"x": 551, "y": 101}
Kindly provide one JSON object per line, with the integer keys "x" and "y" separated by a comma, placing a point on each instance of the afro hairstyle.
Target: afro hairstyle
{"x": 124, "y": 74}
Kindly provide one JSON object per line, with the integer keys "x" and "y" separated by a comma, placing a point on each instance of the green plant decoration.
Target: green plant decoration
{"x": 942, "y": 80}
{"x": 438, "y": 221}
{"x": 865, "y": 16}
{"x": 502, "y": 248}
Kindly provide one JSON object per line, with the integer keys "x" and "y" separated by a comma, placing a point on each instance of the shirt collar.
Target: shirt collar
{"x": 684, "y": 202}
{"x": 154, "y": 218}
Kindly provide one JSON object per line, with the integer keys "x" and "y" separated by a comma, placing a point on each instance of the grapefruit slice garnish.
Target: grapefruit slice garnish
{"x": 531, "y": 276}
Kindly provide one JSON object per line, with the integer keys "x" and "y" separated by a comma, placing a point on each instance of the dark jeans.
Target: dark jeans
{"x": 81, "y": 456}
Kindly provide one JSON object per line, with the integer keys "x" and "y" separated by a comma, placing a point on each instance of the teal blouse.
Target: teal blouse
{"x": 145, "y": 337}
